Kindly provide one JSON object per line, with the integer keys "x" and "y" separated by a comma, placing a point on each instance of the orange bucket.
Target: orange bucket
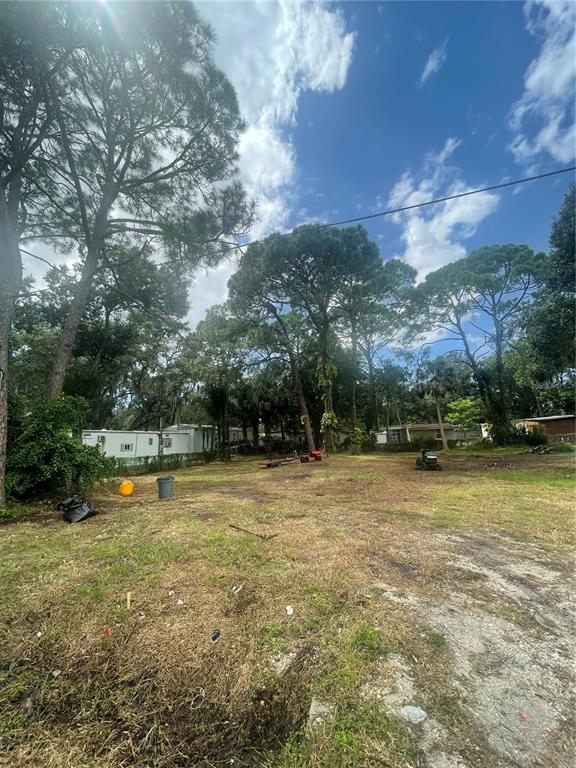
{"x": 126, "y": 488}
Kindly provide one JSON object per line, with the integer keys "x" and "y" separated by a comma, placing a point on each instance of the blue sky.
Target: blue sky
{"x": 355, "y": 107}
{"x": 353, "y": 145}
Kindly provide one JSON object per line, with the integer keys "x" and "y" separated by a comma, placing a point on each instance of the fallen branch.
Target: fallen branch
{"x": 263, "y": 536}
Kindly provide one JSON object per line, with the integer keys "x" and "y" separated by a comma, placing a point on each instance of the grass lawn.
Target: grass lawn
{"x": 155, "y": 634}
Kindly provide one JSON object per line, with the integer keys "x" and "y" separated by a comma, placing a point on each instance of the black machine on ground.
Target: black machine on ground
{"x": 428, "y": 460}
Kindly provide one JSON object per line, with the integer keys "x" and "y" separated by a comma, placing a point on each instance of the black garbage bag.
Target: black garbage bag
{"x": 76, "y": 508}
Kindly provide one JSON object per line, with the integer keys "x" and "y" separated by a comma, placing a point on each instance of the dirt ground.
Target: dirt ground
{"x": 378, "y": 587}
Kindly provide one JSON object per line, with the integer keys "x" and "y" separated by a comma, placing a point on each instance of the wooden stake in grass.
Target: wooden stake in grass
{"x": 128, "y": 600}
{"x": 263, "y": 536}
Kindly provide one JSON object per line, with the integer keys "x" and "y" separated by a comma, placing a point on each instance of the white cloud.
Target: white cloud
{"x": 272, "y": 53}
{"x": 209, "y": 288}
{"x": 47, "y": 256}
{"x": 433, "y": 236}
{"x": 543, "y": 118}
{"x": 434, "y": 63}
{"x": 427, "y": 338}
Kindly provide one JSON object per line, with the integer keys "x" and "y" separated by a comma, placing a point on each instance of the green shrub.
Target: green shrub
{"x": 563, "y": 448}
{"x": 353, "y": 440}
{"x": 536, "y": 436}
{"x": 369, "y": 443}
{"x": 13, "y": 512}
{"x": 480, "y": 444}
{"x": 45, "y": 455}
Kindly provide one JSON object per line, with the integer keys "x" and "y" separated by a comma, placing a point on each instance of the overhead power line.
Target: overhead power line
{"x": 402, "y": 209}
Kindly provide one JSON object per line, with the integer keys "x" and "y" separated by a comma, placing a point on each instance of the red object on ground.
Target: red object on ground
{"x": 108, "y": 631}
{"x": 525, "y": 716}
{"x": 312, "y": 456}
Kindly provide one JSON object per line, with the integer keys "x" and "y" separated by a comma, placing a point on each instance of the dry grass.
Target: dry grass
{"x": 147, "y": 686}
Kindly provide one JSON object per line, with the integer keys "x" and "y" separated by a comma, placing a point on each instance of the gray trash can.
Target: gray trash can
{"x": 165, "y": 486}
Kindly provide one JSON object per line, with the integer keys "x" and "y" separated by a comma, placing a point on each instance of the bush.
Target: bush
{"x": 13, "y": 512}
{"x": 369, "y": 443}
{"x": 536, "y": 436}
{"x": 563, "y": 448}
{"x": 480, "y": 444}
{"x": 45, "y": 455}
{"x": 353, "y": 440}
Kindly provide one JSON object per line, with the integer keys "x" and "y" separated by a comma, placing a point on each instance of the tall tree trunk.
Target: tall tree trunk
{"x": 72, "y": 322}
{"x": 539, "y": 410}
{"x": 408, "y": 440}
{"x": 441, "y": 425}
{"x": 267, "y": 432}
{"x": 304, "y": 415}
{"x": 226, "y": 432}
{"x": 255, "y": 435}
{"x": 373, "y": 394}
{"x": 498, "y": 414}
{"x": 501, "y": 428}
{"x": 10, "y": 286}
{"x": 354, "y": 340}
{"x": 327, "y": 384}
{"x": 8, "y": 293}
{"x": 483, "y": 390}
{"x": 388, "y": 410}
{"x": 329, "y": 408}
{"x": 297, "y": 379}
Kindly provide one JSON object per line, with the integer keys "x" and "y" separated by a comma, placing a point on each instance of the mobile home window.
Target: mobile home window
{"x": 124, "y": 447}
{"x": 100, "y": 438}
{"x": 150, "y": 441}
{"x": 167, "y": 442}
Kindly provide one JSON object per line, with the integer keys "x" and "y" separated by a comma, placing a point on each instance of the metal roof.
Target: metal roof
{"x": 550, "y": 418}
{"x": 120, "y": 431}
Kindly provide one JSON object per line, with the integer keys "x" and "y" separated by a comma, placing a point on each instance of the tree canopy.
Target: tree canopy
{"x": 119, "y": 147}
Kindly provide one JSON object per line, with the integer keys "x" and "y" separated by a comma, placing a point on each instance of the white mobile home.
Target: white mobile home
{"x": 179, "y": 439}
{"x": 199, "y": 437}
{"x": 123, "y": 444}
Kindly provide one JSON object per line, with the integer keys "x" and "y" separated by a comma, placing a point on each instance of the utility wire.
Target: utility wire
{"x": 391, "y": 211}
